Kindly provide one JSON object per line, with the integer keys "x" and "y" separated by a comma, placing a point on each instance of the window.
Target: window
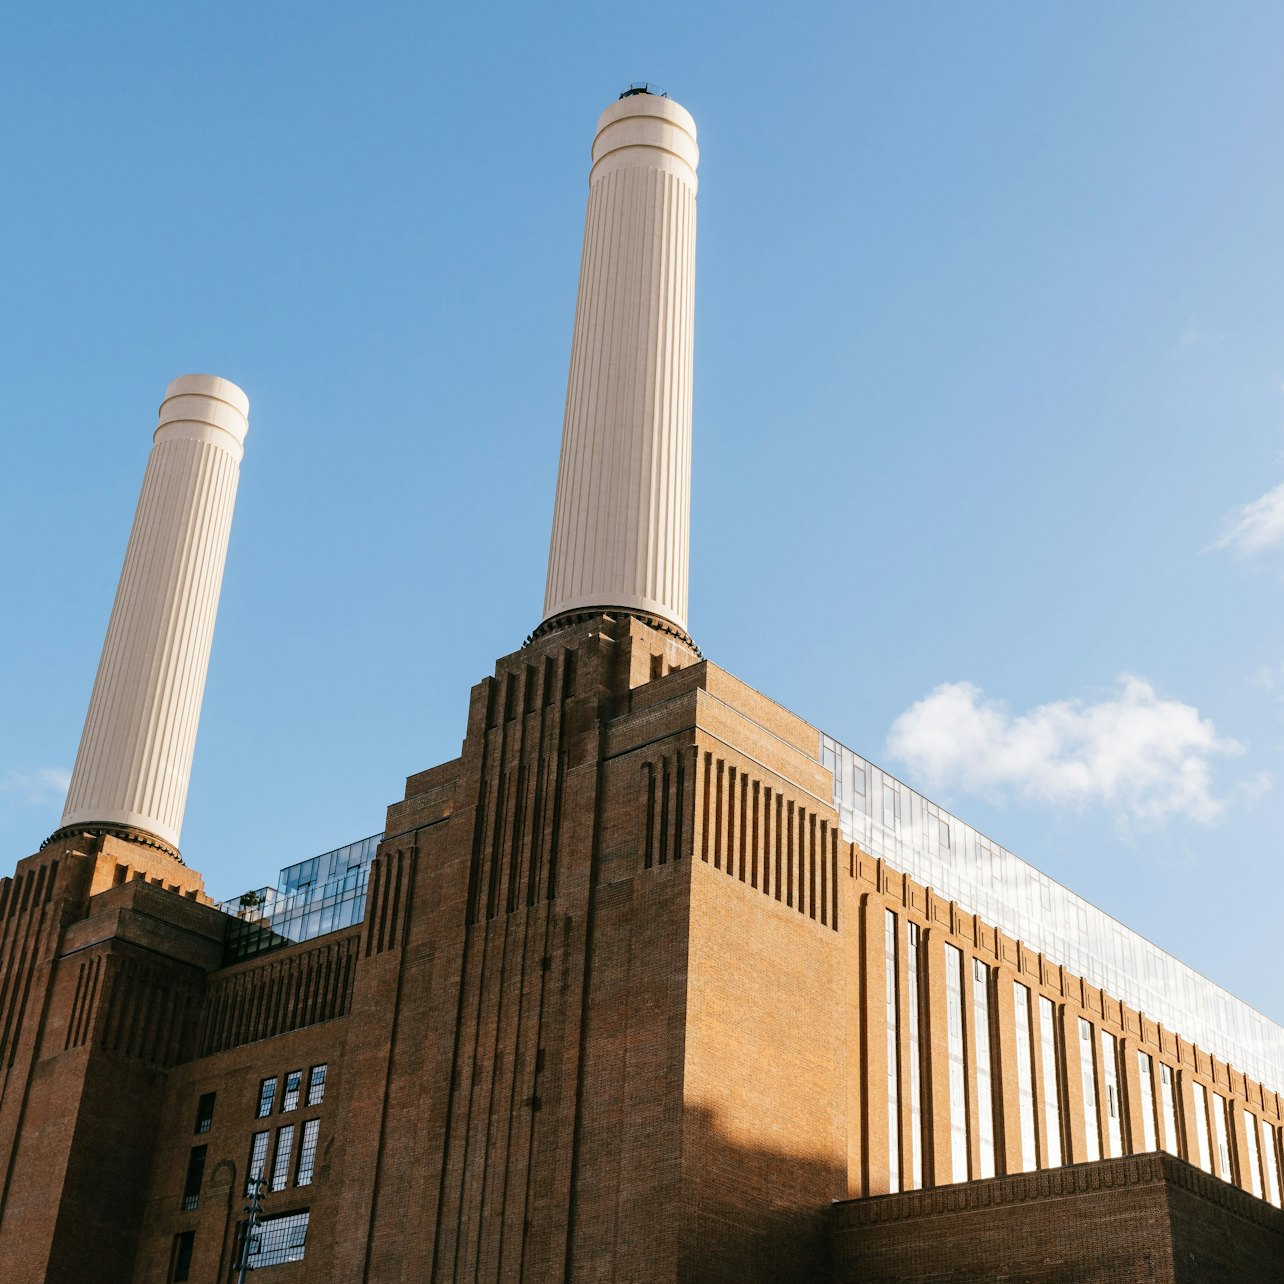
{"x": 307, "y": 1152}
{"x": 1172, "y": 1142}
{"x": 267, "y": 1094}
{"x": 1088, "y": 1078}
{"x": 943, "y": 831}
{"x": 1051, "y": 1081}
{"x": 1025, "y": 1075}
{"x": 893, "y": 1059}
{"x": 316, "y": 1085}
{"x": 858, "y": 779}
{"x": 1146, "y": 1081}
{"x": 204, "y": 1112}
{"x": 278, "y": 1240}
{"x": 1110, "y": 1073}
{"x": 984, "y": 1088}
{"x": 958, "y": 1092}
{"x": 1254, "y": 1157}
{"x": 1220, "y": 1127}
{"x": 180, "y": 1257}
{"x": 258, "y": 1160}
{"x": 195, "y": 1174}
{"x": 891, "y": 806}
{"x": 915, "y": 1069}
{"x": 290, "y": 1099}
{"x": 281, "y": 1165}
{"x": 1272, "y": 1166}
{"x": 1201, "y": 1127}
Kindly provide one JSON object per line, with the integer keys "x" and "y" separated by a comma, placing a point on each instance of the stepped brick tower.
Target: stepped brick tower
{"x": 653, "y": 983}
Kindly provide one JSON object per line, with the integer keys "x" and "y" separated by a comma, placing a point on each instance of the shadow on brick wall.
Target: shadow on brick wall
{"x": 758, "y": 1215}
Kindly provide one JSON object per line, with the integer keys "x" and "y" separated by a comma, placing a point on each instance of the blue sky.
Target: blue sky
{"x": 989, "y": 410}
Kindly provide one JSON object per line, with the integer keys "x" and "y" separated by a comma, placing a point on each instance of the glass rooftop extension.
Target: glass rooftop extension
{"x": 313, "y": 897}
{"x": 888, "y": 819}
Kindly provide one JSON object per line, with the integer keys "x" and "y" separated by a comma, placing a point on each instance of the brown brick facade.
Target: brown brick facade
{"x": 618, "y": 1010}
{"x": 1146, "y": 1217}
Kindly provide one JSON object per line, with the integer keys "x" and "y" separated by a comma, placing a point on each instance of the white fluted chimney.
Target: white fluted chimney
{"x": 621, "y": 522}
{"x": 135, "y": 754}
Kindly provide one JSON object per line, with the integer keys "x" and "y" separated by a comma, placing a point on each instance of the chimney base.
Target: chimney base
{"x": 568, "y": 619}
{"x": 139, "y": 837}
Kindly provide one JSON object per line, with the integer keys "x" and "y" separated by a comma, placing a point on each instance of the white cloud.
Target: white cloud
{"x": 1145, "y": 758}
{"x": 1255, "y": 526}
{"x": 35, "y": 788}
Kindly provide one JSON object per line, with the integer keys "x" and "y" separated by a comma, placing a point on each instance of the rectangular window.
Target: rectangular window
{"x": 195, "y": 1175}
{"x": 1146, "y": 1082}
{"x": 1172, "y": 1134}
{"x": 915, "y": 1069}
{"x": 1221, "y": 1123}
{"x": 1088, "y": 1078}
{"x": 278, "y": 1240}
{"x": 1051, "y": 1081}
{"x": 257, "y": 1166}
{"x": 204, "y": 1112}
{"x": 958, "y": 1089}
{"x": 1254, "y": 1158}
{"x": 290, "y": 1098}
{"x": 1201, "y": 1127}
{"x": 180, "y": 1257}
{"x": 1110, "y": 1074}
{"x": 891, "y": 805}
{"x": 267, "y": 1094}
{"x": 281, "y": 1165}
{"x": 858, "y": 779}
{"x": 307, "y": 1152}
{"x": 1272, "y": 1164}
{"x": 1025, "y": 1076}
{"x": 943, "y": 832}
{"x": 316, "y": 1085}
{"x": 893, "y": 1060}
{"x": 984, "y": 1088}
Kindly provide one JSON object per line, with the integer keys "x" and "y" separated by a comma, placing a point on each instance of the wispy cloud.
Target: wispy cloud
{"x": 1194, "y": 334}
{"x": 1270, "y": 678}
{"x": 1255, "y": 527}
{"x": 36, "y": 788}
{"x": 1145, "y": 758}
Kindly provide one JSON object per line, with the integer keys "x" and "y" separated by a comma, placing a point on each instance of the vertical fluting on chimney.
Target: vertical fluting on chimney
{"x": 621, "y": 520}
{"x": 135, "y": 755}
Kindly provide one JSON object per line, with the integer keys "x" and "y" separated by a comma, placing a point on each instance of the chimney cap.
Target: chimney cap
{"x": 644, "y": 87}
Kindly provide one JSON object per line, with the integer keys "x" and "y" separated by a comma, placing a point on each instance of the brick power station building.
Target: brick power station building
{"x": 654, "y": 982}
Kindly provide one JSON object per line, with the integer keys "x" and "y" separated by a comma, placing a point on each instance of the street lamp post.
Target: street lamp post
{"x": 253, "y": 1209}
